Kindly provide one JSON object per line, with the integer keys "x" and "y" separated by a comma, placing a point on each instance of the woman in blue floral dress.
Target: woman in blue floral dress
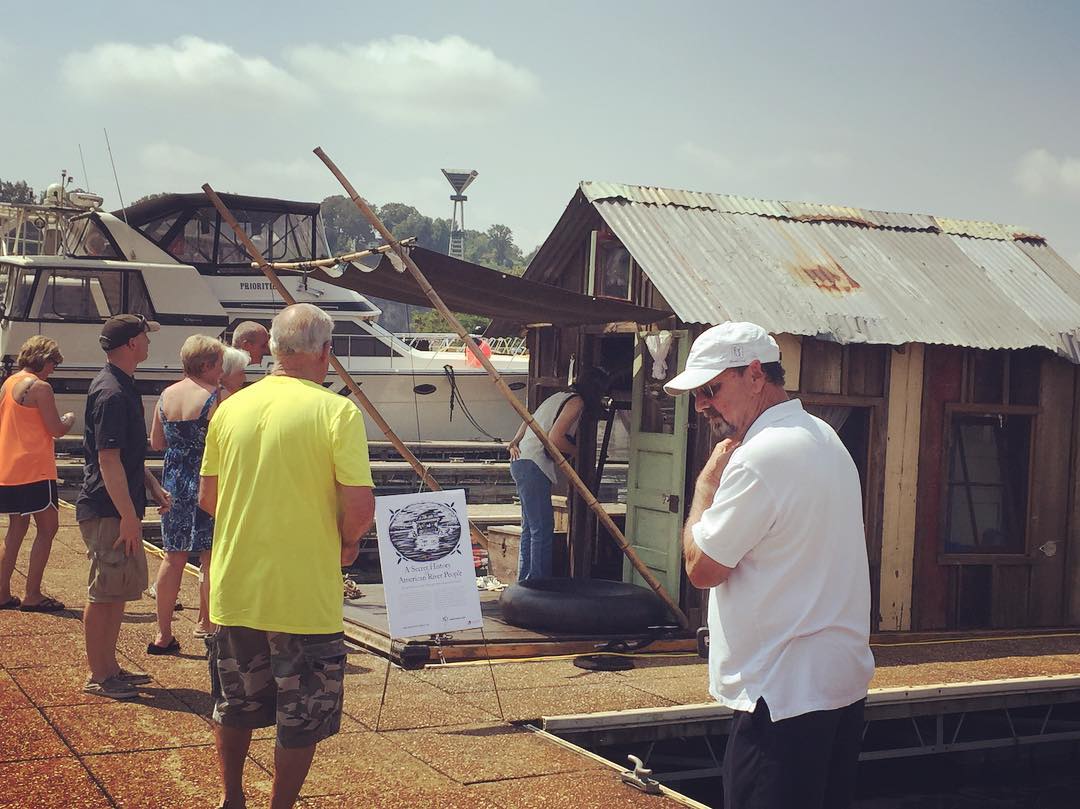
{"x": 181, "y": 418}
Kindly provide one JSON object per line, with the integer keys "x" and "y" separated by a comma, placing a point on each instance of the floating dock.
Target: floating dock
{"x": 505, "y": 733}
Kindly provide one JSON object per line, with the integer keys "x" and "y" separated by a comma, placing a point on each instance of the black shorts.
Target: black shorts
{"x": 29, "y": 498}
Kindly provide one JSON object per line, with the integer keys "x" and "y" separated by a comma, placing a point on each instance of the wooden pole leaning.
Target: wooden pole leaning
{"x": 326, "y": 263}
{"x": 526, "y": 416}
{"x": 369, "y": 408}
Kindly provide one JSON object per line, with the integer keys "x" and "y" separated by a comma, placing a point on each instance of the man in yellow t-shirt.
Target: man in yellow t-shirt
{"x": 287, "y": 478}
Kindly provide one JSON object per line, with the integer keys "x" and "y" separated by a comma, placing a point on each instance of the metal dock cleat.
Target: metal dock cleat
{"x": 639, "y": 778}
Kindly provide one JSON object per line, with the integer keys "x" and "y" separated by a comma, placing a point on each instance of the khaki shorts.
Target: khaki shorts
{"x": 260, "y": 678}
{"x": 114, "y": 576}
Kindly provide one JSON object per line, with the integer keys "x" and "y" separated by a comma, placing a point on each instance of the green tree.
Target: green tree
{"x": 501, "y": 248}
{"x": 17, "y": 191}
{"x": 346, "y": 229}
{"x": 428, "y": 320}
{"x": 148, "y": 196}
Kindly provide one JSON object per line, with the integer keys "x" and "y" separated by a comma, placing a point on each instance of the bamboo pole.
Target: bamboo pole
{"x": 526, "y": 416}
{"x": 324, "y": 263}
{"x": 365, "y": 403}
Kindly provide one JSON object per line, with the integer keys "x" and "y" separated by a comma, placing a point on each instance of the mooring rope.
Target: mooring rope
{"x": 455, "y": 396}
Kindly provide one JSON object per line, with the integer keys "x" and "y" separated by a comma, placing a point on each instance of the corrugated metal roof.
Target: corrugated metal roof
{"x": 804, "y": 211}
{"x": 845, "y": 274}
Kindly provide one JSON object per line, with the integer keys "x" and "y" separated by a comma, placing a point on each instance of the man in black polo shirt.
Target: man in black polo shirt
{"x": 112, "y": 502}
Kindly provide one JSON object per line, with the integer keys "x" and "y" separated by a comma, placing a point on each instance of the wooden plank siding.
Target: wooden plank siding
{"x": 900, "y": 488}
{"x": 822, "y": 367}
{"x": 1028, "y": 586}
{"x": 1072, "y": 551}
{"x": 1050, "y": 493}
{"x": 942, "y": 381}
{"x": 790, "y": 359}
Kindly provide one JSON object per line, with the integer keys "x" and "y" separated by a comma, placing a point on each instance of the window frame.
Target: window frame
{"x": 600, "y": 240}
{"x": 1020, "y": 556}
{"x": 125, "y": 286}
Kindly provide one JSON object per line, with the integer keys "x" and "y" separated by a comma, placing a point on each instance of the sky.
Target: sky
{"x": 960, "y": 109}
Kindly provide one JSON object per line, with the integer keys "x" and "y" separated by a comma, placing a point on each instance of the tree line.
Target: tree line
{"x": 348, "y": 231}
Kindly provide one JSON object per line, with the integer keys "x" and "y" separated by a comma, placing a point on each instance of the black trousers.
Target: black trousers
{"x": 806, "y": 762}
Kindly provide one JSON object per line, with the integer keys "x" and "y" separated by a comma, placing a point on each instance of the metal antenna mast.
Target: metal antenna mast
{"x": 459, "y": 180}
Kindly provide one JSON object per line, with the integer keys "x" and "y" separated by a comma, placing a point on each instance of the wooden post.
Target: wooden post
{"x": 365, "y": 403}
{"x": 522, "y": 411}
{"x": 901, "y": 488}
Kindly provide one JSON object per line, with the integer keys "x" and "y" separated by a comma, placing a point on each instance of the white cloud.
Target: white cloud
{"x": 749, "y": 165}
{"x": 703, "y": 155}
{"x": 188, "y": 68}
{"x": 405, "y": 79}
{"x": 165, "y": 166}
{"x": 1041, "y": 172}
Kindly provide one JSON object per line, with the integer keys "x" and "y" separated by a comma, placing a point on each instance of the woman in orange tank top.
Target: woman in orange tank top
{"x": 29, "y": 423}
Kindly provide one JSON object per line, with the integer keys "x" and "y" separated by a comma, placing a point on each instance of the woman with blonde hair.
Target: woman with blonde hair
{"x": 29, "y": 424}
{"x": 179, "y": 427}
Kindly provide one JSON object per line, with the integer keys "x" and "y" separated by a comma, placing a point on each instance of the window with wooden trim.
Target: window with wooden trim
{"x": 611, "y": 271}
{"x": 987, "y": 484}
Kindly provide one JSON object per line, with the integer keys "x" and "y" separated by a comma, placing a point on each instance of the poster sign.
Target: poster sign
{"x": 427, "y": 565}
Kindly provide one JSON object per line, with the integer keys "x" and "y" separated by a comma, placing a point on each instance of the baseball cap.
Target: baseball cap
{"x": 729, "y": 345}
{"x": 118, "y": 329}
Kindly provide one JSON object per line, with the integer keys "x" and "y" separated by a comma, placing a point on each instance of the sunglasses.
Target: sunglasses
{"x": 708, "y": 391}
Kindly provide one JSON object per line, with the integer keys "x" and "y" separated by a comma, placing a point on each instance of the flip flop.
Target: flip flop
{"x": 47, "y": 604}
{"x": 11, "y": 604}
{"x": 172, "y": 648}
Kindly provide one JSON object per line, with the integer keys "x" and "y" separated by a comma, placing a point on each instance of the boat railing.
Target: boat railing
{"x": 33, "y": 230}
{"x": 370, "y": 345}
{"x": 448, "y": 341}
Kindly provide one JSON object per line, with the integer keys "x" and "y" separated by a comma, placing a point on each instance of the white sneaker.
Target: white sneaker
{"x": 152, "y": 590}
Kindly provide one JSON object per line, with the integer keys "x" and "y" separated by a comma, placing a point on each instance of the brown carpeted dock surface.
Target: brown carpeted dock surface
{"x": 444, "y": 739}
{"x": 440, "y": 741}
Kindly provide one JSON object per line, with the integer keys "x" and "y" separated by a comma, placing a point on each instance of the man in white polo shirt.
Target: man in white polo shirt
{"x": 776, "y": 531}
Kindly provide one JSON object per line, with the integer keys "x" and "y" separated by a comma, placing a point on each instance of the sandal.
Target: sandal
{"x": 11, "y": 604}
{"x": 47, "y": 604}
{"x": 172, "y": 648}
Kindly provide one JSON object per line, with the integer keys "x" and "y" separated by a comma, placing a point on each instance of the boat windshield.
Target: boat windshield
{"x": 87, "y": 238}
{"x": 189, "y": 228}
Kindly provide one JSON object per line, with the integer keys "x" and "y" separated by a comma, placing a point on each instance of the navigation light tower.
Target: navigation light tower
{"x": 459, "y": 180}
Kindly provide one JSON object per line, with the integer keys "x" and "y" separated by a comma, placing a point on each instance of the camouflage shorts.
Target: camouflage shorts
{"x": 259, "y": 679}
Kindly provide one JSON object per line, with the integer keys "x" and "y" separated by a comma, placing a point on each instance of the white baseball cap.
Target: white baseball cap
{"x": 729, "y": 345}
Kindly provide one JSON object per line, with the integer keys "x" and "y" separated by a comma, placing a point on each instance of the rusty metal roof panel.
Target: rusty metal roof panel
{"x": 983, "y": 230}
{"x": 651, "y": 195}
{"x": 849, "y": 282}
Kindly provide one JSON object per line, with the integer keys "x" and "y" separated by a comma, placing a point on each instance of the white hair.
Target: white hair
{"x": 300, "y": 329}
{"x": 233, "y": 360}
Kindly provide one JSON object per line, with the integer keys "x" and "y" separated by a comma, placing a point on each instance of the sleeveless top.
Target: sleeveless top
{"x": 545, "y": 415}
{"x": 185, "y": 526}
{"x": 26, "y": 447}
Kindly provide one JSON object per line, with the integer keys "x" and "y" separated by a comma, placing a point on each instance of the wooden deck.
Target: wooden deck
{"x": 366, "y": 625}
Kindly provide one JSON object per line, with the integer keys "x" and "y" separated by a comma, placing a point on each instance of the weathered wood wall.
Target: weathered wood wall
{"x": 1027, "y": 587}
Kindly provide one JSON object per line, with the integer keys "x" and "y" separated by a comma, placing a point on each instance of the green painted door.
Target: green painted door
{"x": 655, "y": 483}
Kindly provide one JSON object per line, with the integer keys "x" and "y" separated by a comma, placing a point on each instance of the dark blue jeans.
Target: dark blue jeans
{"x": 537, "y": 520}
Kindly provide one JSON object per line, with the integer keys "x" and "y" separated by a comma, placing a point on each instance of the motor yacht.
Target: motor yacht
{"x": 67, "y": 265}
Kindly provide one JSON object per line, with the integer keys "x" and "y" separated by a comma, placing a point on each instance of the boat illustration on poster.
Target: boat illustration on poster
{"x": 425, "y": 531}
